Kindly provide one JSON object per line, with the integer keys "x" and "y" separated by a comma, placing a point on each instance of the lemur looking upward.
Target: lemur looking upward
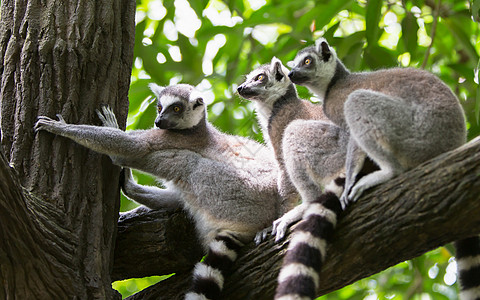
{"x": 398, "y": 117}
{"x": 230, "y": 193}
{"x": 311, "y": 150}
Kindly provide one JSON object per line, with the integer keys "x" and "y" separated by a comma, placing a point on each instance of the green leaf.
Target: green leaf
{"x": 454, "y": 24}
{"x": 477, "y": 105}
{"x": 463, "y": 70}
{"x": 418, "y": 3}
{"x": 476, "y": 10}
{"x": 477, "y": 98}
{"x": 353, "y": 59}
{"x": 322, "y": 14}
{"x": 138, "y": 92}
{"x": 372, "y": 18}
{"x": 378, "y": 57}
{"x": 344, "y": 45}
{"x": 198, "y": 6}
{"x": 328, "y": 35}
{"x": 147, "y": 118}
{"x": 409, "y": 33}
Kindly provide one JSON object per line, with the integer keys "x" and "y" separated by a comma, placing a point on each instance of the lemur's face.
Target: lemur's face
{"x": 179, "y": 106}
{"x": 313, "y": 64}
{"x": 266, "y": 83}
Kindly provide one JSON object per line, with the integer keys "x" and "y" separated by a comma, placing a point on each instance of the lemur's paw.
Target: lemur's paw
{"x": 281, "y": 224}
{"x": 356, "y": 192}
{"x": 46, "y": 123}
{"x": 262, "y": 235}
{"x": 107, "y": 117}
{"x": 279, "y": 228}
{"x": 344, "y": 200}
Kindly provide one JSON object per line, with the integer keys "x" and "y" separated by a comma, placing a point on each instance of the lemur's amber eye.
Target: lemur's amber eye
{"x": 260, "y": 77}
{"x": 159, "y": 108}
{"x": 176, "y": 109}
{"x": 307, "y": 61}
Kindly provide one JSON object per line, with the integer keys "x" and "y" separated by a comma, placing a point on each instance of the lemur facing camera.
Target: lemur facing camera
{"x": 398, "y": 117}
{"x": 228, "y": 184}
{"x": 311, "y": 150}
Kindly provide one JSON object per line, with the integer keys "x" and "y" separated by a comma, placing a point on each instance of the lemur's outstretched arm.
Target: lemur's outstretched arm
{"x": 150, "y": 196}
{"x": 106, "y": 140}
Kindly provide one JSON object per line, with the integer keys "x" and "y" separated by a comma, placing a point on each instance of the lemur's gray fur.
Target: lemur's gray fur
{"x": 397, "y": 117}
{"x": 311, "y": 150}
{"x": 227, "y": 183}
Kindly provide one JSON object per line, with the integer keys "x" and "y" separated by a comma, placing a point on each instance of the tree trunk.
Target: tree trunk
{"x": 59, "y": 210}
{"x": 429, "y": 206}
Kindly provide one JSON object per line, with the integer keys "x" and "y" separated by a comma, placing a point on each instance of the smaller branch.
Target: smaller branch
{"x": 436, "y": 14}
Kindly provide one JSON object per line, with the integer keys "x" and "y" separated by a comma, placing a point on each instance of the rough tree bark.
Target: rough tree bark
{"x": 59, "y": 210}
{"x": 430, "y": 206}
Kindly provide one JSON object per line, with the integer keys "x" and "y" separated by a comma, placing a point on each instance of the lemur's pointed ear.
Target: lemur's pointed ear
{"x": 196, "y": 97}
{"x": 276, "y": 69}
{"x": 198, "y": 102}
{"x": 322, "y": 47}
{"x": 156, "y": 89}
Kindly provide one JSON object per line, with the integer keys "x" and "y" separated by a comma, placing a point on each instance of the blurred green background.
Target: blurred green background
{"x": 213, "y": 44}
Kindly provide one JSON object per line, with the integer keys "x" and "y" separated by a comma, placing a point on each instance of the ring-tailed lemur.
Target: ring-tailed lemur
{"x": 311, "y": 150}
{"x": 227, "y": 183}
{"x": 399, "y": 117}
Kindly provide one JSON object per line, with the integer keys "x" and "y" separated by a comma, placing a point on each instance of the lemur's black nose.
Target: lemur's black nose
{"x": 239, "y": 89}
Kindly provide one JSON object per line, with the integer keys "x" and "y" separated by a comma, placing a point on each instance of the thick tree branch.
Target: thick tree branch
{"x": 150, "y": 240}
{"x": 432, "y": 205}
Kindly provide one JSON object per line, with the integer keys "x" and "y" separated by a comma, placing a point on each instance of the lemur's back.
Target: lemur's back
{"x": 414, "y": 86}
{"x": 433, "y": 108}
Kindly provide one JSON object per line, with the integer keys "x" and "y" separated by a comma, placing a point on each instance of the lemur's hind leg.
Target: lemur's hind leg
{"x": 378, "y": 123}
{"x": 151, "y": 196}
{"x": 314, "y": 154}
{"x": 353, "y": 165}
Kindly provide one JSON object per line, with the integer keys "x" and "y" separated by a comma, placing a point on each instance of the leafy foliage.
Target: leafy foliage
{"x": 131, "y": 286}
{"x": 213, "y": 44}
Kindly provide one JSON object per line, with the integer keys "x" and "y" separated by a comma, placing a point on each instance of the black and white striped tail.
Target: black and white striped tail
{"x": 208, "y": 276}
{"x": 299, "y": 275}
{"x": 468, "y": 266}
